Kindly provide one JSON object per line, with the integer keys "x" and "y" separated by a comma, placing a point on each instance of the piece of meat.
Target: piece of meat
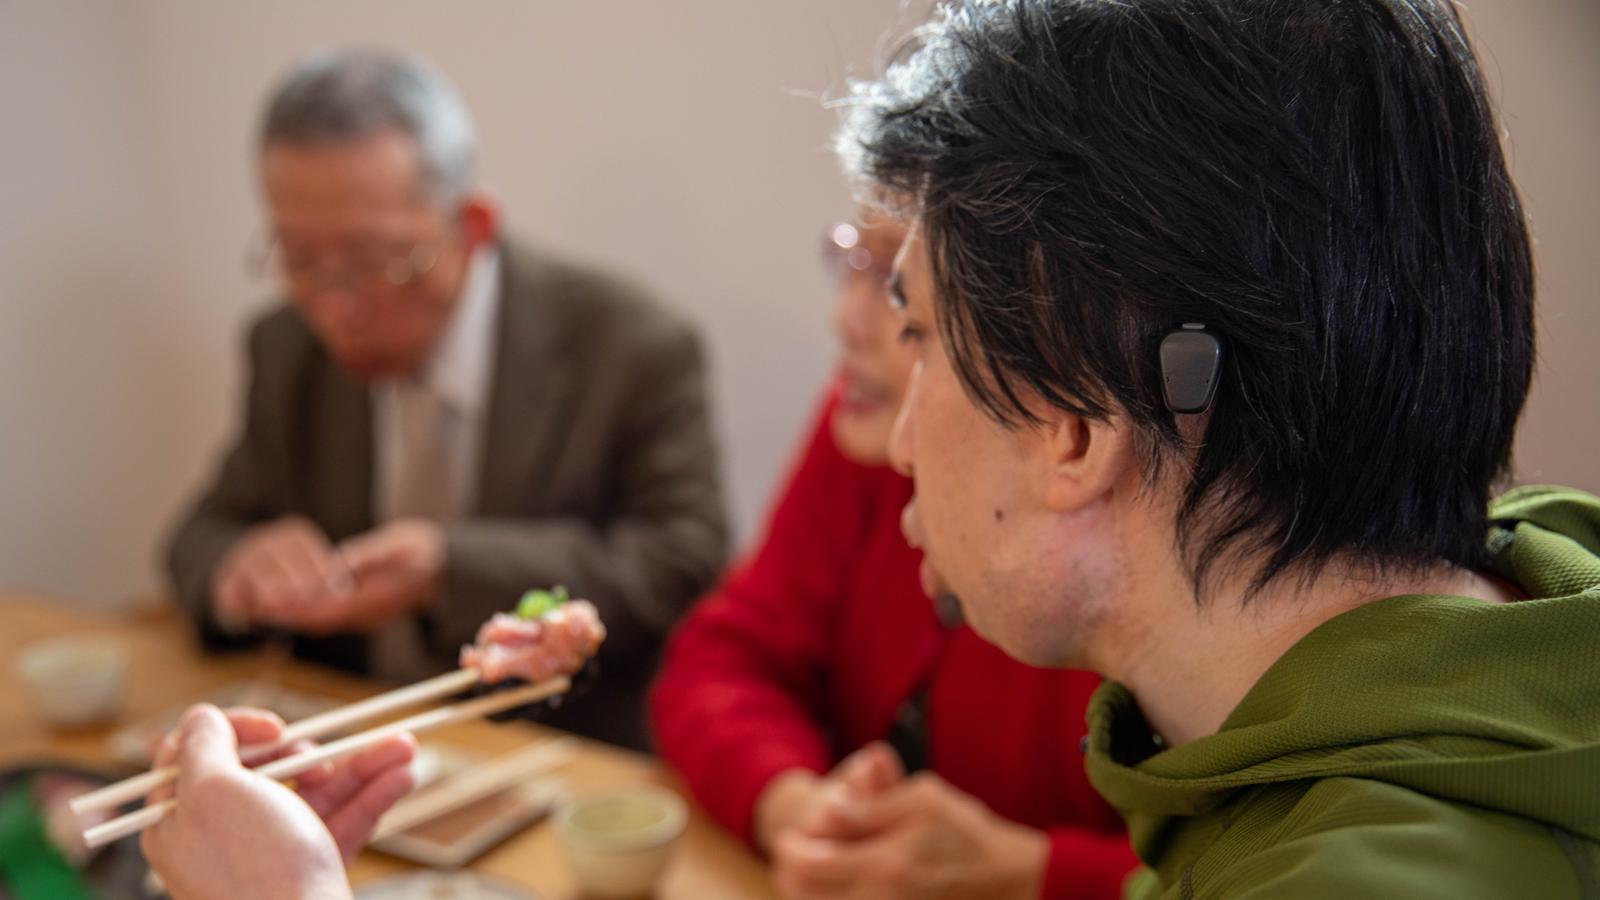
{"x": 51, "y": 793}
{"x": 557, "y": 643}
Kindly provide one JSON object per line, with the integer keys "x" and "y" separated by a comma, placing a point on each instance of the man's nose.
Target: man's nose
{"x": 347, "y": 306}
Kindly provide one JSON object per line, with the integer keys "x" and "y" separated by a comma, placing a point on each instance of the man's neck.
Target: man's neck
{"x": 1189, "y": 665}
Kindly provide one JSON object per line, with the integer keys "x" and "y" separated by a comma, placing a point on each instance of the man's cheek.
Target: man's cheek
{"x": 943, "y": 540}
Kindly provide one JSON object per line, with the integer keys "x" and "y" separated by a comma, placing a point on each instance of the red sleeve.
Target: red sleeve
{"x": 1086, "y": 865}
{"x": 741, "y": 689}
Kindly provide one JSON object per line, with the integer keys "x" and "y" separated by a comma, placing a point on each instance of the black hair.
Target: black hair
{"x": 1319, "y": 182}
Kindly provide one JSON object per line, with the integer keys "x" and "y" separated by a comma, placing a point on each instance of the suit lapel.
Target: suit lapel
{"x": 523, "y": 430}
{"x": 340, "y": 446}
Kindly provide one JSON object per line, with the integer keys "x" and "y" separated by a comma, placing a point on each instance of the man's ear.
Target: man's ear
{"x": 480, "y": 221}
{"x": 1085, "y": 458}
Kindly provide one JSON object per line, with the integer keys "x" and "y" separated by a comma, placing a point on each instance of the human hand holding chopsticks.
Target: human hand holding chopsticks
{"x": 511, "y": 650}
{"x": 239, "y": 835}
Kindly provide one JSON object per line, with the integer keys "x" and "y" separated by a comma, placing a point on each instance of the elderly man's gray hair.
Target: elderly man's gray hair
{"x": 349, "y": 94}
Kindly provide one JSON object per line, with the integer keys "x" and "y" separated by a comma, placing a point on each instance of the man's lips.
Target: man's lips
{"x": 911, "y": 524}
{"x": 911, "y": 527}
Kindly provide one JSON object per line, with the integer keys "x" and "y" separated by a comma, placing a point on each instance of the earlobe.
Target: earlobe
{"x": 480, "y": 222}
{"x": 1086, "y": 459}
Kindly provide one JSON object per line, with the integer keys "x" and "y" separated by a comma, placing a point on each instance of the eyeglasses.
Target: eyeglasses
{"x": 363, "y": 269}
{"x": 843, "y": 252}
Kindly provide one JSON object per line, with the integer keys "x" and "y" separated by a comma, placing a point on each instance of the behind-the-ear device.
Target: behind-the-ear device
{"x": 1191, "y": 361}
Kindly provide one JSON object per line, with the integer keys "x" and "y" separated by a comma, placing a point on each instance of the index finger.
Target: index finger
{"x": 873, "y": 768}
{"x": 254, "y": 726}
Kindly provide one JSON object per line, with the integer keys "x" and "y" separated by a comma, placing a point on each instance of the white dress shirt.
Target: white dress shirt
{"x": 428, "y": 438}
{"x": 452, "y": 390}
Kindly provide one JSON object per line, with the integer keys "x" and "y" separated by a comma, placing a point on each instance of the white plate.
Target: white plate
{"x": 514, "y": 810}
{"x": 443, "y": 886}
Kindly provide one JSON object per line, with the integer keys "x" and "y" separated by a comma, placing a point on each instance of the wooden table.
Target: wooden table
{"x": 166, "y": 669}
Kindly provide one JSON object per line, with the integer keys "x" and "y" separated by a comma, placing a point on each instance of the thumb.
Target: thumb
{"x": 206, "y": 745}
{"x": 873, "y": 768}
{"x": 869, "y": 773}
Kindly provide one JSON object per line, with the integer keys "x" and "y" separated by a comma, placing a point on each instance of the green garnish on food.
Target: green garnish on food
{"x": 538, "y": 602}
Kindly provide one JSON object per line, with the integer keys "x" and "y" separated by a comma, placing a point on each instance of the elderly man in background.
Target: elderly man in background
{"x": 440, "y": 418}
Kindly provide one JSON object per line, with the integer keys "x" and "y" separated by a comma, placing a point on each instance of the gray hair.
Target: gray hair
{"x": 347, "y": 94}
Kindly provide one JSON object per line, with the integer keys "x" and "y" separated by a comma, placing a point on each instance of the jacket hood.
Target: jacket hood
{"x": 1493, "y": 705}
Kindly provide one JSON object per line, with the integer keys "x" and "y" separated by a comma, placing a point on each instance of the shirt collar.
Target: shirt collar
{"x": 458, "y": 373}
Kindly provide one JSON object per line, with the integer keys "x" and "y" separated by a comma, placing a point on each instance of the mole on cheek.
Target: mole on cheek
{"x": 999, "y": 515}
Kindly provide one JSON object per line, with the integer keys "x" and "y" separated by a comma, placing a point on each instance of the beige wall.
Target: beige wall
{"x": 679, "y": 142}
{"x": 93, "y": 402}
{"x": 1542, "y": 61}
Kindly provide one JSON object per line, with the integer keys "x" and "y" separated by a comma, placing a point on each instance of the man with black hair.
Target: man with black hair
{"x": 1224, "y": 317}
{"x": 1338, "y": 670}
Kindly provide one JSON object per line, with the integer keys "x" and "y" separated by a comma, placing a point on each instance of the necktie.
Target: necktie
{"x": 423, "y": 474}
{"x": 422, "y": 485}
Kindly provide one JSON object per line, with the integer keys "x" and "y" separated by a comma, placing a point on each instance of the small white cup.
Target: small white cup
{"x": 619, "y": 842}
{"x": 74, "y": 681}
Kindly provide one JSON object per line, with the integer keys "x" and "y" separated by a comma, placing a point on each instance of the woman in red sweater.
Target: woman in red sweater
{"x": 794, "y": 698}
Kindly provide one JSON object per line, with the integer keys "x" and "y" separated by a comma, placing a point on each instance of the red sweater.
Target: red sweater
{"x": 814, "y": 641}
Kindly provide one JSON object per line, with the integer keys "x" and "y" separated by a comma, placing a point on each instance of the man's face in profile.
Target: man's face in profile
{"x": 1027, "y": 581}
{"x": 371, "y": 263}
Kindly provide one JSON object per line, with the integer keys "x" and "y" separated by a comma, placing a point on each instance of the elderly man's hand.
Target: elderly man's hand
{"x": 393, "y": 568}
{"x": 276, "y": 572}
{"x": 237, "y": 835}
{"x": 381, "y": 575}
{"x": 919, "y": 837}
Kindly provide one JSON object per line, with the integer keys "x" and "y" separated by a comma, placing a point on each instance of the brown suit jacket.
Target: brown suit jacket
{"x": 598, "y": 472}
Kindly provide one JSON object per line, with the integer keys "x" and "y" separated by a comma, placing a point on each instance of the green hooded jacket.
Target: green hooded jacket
{"x": 1416, "y": 747}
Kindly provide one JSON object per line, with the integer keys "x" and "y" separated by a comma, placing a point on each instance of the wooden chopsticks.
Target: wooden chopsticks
{"x": 319, "y": 726}
{"x": 289, "y": 766}
{"x": 482, "y": 780}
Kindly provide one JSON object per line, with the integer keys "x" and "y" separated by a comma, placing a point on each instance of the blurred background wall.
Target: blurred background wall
{"x": 681, "y": 143}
